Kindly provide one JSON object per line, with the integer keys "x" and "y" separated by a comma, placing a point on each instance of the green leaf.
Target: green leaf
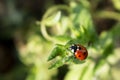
{"x": 108, "y": 50}
{"x": 53, "y": 19}
{"x": 87, "y": 72}
{"x": 75, "y": 41}
{"x": 59, "y": 62}
{"x": 57, "y": 51}
{"x": 116, "y": 4}
{"x": 115, "y": 30}
{"x": 56, "y": 64}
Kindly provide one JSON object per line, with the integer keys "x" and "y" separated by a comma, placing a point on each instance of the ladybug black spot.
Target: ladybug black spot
{"x": 84, "y": 53}
{"x": 79, "y": 56}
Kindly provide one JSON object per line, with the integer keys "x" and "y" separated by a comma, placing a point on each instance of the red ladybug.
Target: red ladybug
{"x": 80, "y": 52}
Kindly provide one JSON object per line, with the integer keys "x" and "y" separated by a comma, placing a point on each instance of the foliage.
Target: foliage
{"x": 62, "y": 26}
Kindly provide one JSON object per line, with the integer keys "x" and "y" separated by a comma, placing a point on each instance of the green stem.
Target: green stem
{"x": 56, "y": 8}
{"x": 47, "y": 14}
{"x": 47, "y": 36}
{"x": 44, "y": 33}
{"x": 108, "y": 14}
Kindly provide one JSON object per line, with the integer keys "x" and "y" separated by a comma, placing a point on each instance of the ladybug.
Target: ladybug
{"x": 80, "y": 52}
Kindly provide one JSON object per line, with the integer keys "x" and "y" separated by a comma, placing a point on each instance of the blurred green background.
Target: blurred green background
{"x": 29, "y": 30}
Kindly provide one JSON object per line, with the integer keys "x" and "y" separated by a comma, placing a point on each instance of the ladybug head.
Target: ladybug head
{"x": 73, "y": 48}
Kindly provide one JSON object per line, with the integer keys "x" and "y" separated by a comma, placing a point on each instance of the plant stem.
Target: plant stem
{"x": 108, "y": 14}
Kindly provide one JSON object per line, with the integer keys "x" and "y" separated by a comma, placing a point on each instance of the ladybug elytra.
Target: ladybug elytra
{"x": 80, "y": 52}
